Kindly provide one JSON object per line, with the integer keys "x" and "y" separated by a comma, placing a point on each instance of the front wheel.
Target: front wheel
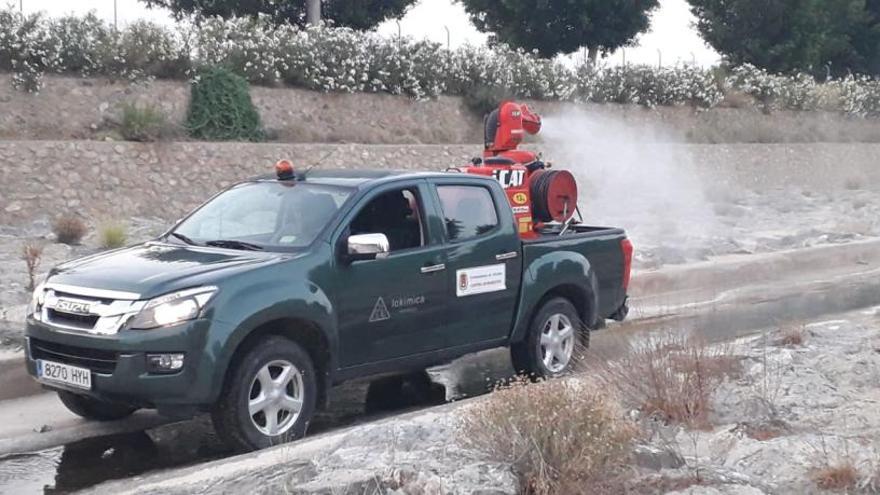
{"x": 556, "y": 338}
{"x": 269, "y": 397}
{"x": 94, "y": 409}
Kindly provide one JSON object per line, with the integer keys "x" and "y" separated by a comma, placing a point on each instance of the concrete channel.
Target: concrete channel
{"x": 43, "y": 448}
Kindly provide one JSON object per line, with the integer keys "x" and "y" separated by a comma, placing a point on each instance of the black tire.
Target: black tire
{"x": 94, "y": 409}
{"x": 528, "y": 356}
{"x": 231, "y": 417}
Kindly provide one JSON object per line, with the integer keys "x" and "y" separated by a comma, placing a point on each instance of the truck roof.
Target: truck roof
{"x": 358, "y": 177}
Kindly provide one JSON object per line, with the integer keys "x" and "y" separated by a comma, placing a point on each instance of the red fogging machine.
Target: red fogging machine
{"x": 537, "y": 194}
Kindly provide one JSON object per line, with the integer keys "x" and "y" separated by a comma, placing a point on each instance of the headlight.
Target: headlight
{"x": 172, "y": 308}
{"x": 37, "y": 299}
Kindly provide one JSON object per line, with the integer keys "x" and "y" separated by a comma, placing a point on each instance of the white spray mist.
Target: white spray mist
{"x": 628, "y": 178}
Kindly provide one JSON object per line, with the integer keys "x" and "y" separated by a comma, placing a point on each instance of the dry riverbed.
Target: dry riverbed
{"x": 799, "y": 415}
{"x": 793, "y": 410}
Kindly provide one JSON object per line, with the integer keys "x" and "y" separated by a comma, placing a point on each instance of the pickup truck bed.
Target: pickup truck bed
{"x": 601, "y": 246}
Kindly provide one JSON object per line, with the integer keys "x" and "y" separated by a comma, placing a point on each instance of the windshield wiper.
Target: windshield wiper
{"x": 233, "y": 244}
{"x": 184, "y": 239}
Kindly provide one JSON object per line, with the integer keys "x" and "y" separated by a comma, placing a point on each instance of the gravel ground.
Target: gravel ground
{"x": 738, "y": 221}
{"x": 794, "y": 410}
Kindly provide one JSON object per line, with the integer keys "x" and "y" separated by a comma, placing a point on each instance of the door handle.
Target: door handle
{"x": 433, "y": 268}
{"x": 506, "y": 256}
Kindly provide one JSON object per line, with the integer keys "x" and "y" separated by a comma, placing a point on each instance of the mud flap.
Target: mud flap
{"x": 622, "y": 311}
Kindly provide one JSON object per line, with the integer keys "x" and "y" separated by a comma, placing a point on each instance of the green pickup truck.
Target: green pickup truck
{"x": 279, "y": 288}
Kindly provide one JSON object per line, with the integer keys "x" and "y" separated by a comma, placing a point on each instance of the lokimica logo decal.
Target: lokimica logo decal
{"x": 380, "y": 311}
{"x": 520, "y": 198}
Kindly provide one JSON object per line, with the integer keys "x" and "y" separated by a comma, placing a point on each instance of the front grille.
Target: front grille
{"x": 97, "y": 360}
{"x": 71, "y": 295}
{"x": 85, "y": 322}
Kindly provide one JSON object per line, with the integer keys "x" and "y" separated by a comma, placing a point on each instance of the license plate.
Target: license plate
{"x": 73, "y": 376}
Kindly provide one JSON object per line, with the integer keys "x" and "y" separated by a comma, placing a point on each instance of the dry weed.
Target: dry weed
{"x": 763, "y": 431}
{"x": 69, "y": 229}
{"x": 768, "y": 385}
{"x": 671, "y": 375}
{"x": 854, "y": 183}
{"x": 32, "y": 253}
{"x": 560, "y": 436}
{"x": 836, "y": 472}
{"x": 792, "y": 335}
{"x": 836, "y": 477}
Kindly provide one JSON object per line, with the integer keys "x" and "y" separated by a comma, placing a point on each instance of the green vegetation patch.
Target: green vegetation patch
{"x": 221, "y": 109}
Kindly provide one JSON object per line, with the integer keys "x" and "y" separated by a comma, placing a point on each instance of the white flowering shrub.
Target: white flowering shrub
{"x": 144, "y": 49}
{"x": 84, "y": 43}
{"x": 648, "y": 86}
{"x": 27, "y": 48}
{"x": 248, "y": 47}
{"x": 325, "y": 59}
{"x": 343, "y": 60}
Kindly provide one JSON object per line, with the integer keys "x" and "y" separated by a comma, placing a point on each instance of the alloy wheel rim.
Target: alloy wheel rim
{"x": 557, "y": 342}
{"x": 275, "y": 398}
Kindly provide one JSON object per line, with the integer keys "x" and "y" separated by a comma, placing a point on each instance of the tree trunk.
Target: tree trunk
{"x": 593, "y": 55}
{"x": 313, "y": 12}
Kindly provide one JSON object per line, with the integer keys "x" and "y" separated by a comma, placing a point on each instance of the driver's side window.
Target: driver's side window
{"x": 397, "y": 214}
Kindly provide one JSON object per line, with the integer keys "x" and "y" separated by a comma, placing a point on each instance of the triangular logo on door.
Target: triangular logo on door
{"x": 380, "y": 311}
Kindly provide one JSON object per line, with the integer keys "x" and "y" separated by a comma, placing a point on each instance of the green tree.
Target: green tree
{"x": 793, "y": 35}
{"x": 357, "y": 14}
{"x": 562, "y": 26}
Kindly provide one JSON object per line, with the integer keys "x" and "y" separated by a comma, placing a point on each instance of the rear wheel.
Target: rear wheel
{"x": 269, "y": 397}
{"x": 94, "y": 409}
{"x": 556, "y": 338}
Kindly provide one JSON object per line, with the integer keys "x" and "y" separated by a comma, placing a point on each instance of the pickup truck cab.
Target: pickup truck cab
{"x": 276, "y": 289}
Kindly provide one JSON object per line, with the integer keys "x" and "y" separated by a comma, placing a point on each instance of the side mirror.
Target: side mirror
{"x": 368, "y": 246}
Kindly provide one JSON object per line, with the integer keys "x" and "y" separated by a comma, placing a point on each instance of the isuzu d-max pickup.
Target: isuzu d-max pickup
{"x": 280, "y": 287}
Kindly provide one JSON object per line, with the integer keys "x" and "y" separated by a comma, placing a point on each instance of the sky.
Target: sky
{"x": 671, "y": 39}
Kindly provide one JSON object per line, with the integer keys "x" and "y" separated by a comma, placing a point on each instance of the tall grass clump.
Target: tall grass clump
{"x": 560, "y": 436}
{"x": 113, "y": 235}
{"x": 670, "y": 375}
{"x": 142, "y": 123}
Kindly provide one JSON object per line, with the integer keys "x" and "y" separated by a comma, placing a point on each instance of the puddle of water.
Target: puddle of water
{"x": 91, "y": 461}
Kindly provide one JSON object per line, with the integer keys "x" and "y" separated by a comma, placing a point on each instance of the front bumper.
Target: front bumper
{"x": 119, "y": 367}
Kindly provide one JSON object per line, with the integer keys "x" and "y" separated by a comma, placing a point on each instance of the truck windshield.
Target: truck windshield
{"x": 263, "y": 215}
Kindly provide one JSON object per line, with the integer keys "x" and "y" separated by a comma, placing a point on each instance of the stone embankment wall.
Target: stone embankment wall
{"x": 104, "y": 181}
{"x": 74, "y": 108}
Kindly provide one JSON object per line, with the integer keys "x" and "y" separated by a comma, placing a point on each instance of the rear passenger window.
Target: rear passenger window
{"x": 468, "y": 211}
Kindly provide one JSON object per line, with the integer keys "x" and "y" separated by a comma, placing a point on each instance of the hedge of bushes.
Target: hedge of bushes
{"x": 343, "y": 60}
